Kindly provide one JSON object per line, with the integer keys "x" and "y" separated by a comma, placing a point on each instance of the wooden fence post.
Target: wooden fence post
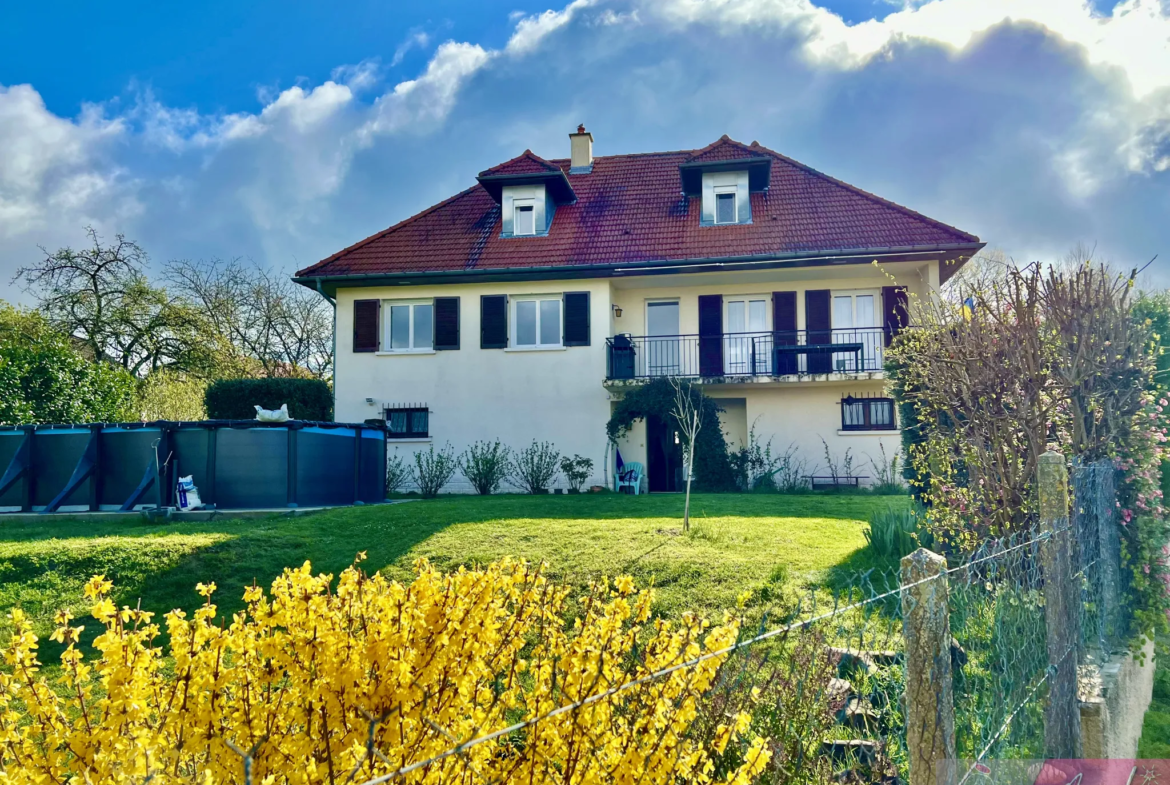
{"x": 930, "y": 703}
{"x": 1062, "y": 718}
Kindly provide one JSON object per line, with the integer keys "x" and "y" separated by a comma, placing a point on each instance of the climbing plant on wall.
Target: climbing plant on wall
{"x": 657, "y": 398}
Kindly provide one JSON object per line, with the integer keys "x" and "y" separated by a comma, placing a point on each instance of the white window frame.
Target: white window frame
{"x": 853, "y": 294}
{"x": 719, "y": 191}
{"x": 870, "y": 335}
{"x": 516, "y": 205}
{"x": 514, "y": 328}
{"x": 384, "y": 339}
{"x": 736, "y": 346}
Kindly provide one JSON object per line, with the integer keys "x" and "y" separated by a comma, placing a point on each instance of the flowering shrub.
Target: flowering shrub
{"x": 341, "y": 682}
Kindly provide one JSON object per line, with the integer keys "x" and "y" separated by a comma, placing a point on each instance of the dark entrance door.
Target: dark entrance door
{"x": 663, "y": 457}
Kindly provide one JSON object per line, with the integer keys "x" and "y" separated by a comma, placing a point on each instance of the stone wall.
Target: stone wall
{"x": 1113, "y": 704}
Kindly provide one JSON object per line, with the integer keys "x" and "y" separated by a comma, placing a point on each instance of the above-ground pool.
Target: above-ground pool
{"x": 235, "y": 464}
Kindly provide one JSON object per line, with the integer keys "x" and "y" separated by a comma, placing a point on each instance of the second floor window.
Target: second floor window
{"x": 537, "y": 322}
{"x": 867, "y": 414}
{"x": 408, "y": 326}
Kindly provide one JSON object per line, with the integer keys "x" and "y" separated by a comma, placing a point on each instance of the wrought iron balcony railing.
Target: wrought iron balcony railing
{"x": 797, "y": 353}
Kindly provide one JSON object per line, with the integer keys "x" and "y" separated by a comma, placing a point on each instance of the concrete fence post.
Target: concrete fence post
{"x": 930, "y": 703}
{"x": 1062, "y": 718}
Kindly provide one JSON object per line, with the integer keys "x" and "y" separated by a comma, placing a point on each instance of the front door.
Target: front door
{"x": 664, "y": 464}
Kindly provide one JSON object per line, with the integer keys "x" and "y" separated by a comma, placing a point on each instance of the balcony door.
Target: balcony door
{"x": 855, "y": 321}
{"x": 748, "y": 345}
{"x": 661, "y": 357}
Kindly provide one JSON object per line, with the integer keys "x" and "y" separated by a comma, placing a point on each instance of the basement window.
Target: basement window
{"x": 412, "y": 422}
{"x": 867, "y": 414}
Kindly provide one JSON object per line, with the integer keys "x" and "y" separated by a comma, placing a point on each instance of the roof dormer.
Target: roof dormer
{"x": 528, "y": 190}
{"x": 724, "y": 174}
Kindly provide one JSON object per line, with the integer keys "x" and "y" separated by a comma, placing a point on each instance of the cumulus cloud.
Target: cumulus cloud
{"x": 1035, "y": 123}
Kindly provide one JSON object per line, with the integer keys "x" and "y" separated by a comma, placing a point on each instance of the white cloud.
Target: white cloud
{"x": 1135, "y": 37}
{"x": 52, "y": 166}
{"x": 532, "y": 30}
{"x": 415, "y": 39}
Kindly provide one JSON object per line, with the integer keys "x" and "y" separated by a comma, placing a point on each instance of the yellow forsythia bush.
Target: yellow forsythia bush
{"x": 368, "y": 678}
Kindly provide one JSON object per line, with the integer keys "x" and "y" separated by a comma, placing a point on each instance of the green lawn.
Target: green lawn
{"x": 737, "y": 542}
{"x": 1155, "y": 741}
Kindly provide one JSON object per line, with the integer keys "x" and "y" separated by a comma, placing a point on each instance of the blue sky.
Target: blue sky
{"x": 281, "y": 132}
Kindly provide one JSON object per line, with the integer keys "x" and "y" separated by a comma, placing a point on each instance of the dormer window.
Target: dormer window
{"x": 725, "y": 207}
{"x": 725, "y": 198}
{"x": 524, "y": 218}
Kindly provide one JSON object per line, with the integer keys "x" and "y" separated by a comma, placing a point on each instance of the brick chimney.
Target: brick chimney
{"x": 581, "y": 151}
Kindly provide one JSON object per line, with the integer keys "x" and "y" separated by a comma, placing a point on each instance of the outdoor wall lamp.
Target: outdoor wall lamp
{"x": 617, "y": 311}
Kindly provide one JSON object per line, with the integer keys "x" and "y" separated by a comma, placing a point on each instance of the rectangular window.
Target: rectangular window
{"x": 408, "y": 423}
{"x": 867, "y": 414}
{"x": 725, "y": 206}
{"x": 524, "y": 217}
{"x": 410, "y": 326}
{"x": 538, "y": 322}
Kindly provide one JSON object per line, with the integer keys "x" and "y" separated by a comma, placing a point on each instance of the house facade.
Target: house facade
{"x": 523, "y": 307}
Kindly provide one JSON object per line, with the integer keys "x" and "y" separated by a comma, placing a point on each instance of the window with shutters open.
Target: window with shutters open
{"x": 536, "y": 322}
{"x": 408, "y": 326}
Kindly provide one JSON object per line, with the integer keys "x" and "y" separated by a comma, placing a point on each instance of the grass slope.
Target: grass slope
{"x": 737, "y": 542}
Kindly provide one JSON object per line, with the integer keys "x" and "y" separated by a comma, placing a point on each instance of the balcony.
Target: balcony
{"x": 801, "y": 353}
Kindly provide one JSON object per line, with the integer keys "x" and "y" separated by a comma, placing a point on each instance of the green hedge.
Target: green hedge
{"x": 236, "y": 399}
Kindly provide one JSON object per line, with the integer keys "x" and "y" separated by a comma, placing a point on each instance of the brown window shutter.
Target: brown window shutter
{"x": 576, "y": 319}
{"x": 493, "y": 321}
{"x": 784, "y": 327}
{"x": 365, "y": 325}
{"x": 896, "y": 311}
{"x": 446, "y": 323}
{"x": 710, "y": 335}
{"x": 818, "y": 326}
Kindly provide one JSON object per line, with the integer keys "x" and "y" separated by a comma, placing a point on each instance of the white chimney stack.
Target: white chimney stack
{"x": 581, "y": 151}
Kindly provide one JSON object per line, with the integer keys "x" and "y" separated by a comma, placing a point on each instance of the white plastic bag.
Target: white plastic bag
{"x": 188, "y": 494}
{"x": 272, "y": 415}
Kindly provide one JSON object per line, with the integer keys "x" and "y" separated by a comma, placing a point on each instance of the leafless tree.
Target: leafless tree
{"x": 687, "y": 414}
{"x": 102, "y": 297}
{"x": 285, "y": 329}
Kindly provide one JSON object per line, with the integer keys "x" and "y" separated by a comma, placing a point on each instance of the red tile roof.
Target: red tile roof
{"x": 527, "y": 162}
{"x": 724, "y": 149}
{"x": 629, "y": 210}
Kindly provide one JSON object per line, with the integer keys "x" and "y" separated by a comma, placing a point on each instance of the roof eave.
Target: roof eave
{"x": 961, "y": 253}
{"x": 557, "y": 182}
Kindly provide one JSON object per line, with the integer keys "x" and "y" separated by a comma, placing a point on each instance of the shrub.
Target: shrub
{"x": 169, "y": 395}
{"x": 757, "y": 469}
{"x": 894, "y": 532}
{"x": 887, "y": 478}
{"x": 236, "y": 399}
{"x": 397, "y": 473}
{"x": 485, "y": 465}
{"x": 310, "y": 673}
{"x": 51, "y": 383}
{"x": 433, "y": 470}
{"x": 533, "y": 468}
{"x": 839, "y": 469}
{"x": 576, "y": 470}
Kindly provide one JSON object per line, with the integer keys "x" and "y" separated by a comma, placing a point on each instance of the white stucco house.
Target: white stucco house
{"x": 523, "y": 307}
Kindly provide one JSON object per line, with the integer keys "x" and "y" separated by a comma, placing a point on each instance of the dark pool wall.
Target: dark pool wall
{"x": 234, "y": 464}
